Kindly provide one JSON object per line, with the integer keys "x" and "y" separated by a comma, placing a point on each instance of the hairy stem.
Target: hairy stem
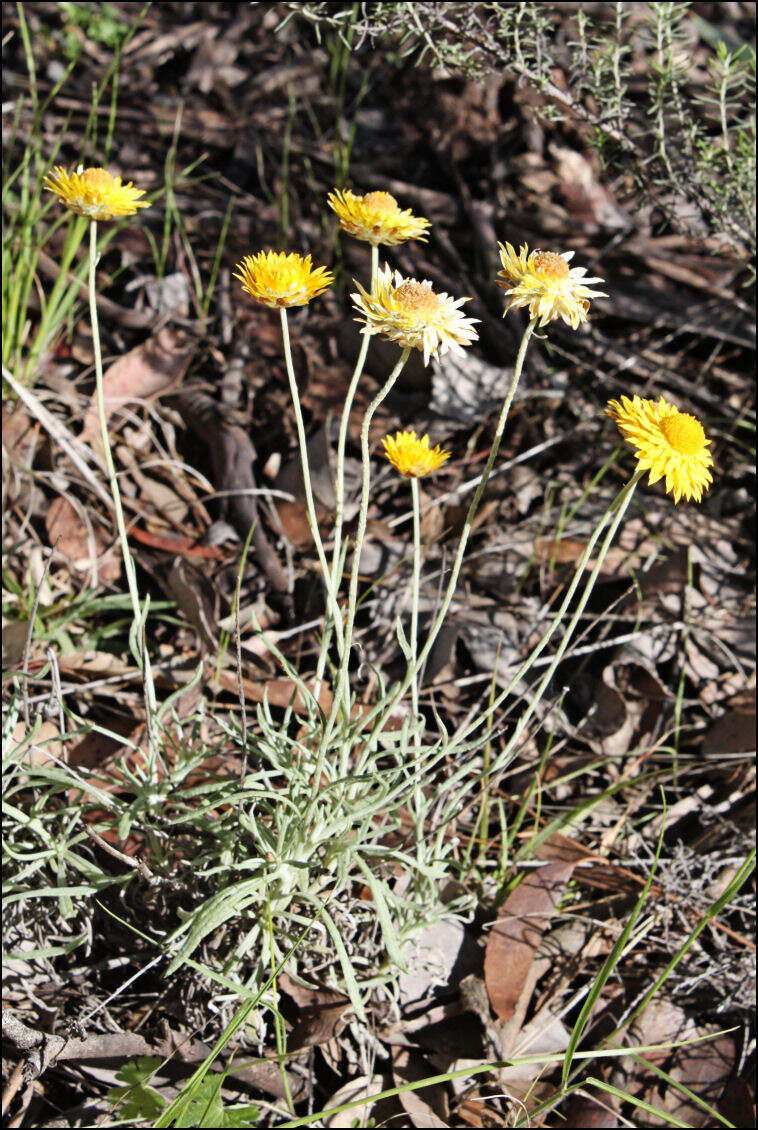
{"x": 618, "y": 509}
{"x": 414, "y": 596}
{"x": 615, "y": 511}
{"x": 467, "y": 527}
{"x": 310, "y": 508}
{"x": 418, "y": 807}
{"x": 339, "y": 484}
{"x": 342, "y": 439}
{"x": 141, "y": 654}
{"x": 342, "y": 693}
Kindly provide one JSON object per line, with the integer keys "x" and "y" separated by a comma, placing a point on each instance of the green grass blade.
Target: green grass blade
{"x": 712, "y": 912}
{"x": 611, "y": 961}
{"x": 174, "y": 1109}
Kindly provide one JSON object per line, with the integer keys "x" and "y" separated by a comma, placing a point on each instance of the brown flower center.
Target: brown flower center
{"x": 684, "y": 433}
{"x": 417, "y": 298}
{"x": 382, "y": 202}
{"x": 550, "y": 265}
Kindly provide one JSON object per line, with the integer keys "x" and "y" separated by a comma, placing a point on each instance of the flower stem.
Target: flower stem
{"x": 310, "y": 508}
{"x": 140, "y": 653}
{"x": 418, "y": 809}
{"x": 414, "y": 598}
{"x": 342, "y": 694}
{"x": 458, "y": 741}
{"x": 339, "y": 485}
{"x": 467, "y": 527}
{"x": 342, "y": 439}
{"x": 617, "y": 509}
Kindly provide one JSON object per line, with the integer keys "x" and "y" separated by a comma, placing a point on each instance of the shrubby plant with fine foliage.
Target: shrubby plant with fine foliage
{"x": 680, "y": 138}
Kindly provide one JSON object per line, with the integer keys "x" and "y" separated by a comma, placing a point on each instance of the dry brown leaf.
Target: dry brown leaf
{"x": 69, "y": 535}
{"x": 667, "y": 576}
{"x": 602, "y": 874}
{"x": 702, "y": 1067}
{"x": 321, "y": 1010}
{"x": 561, "y": 849}
{"x": 178, "y": 1046}
{"x": 21, "y": 438}
{"x": 703, "y": 272}
{"x": 317, "y": 1024}
{"x": 94, "y": 663}
{"x": 737, "y": 1103}
{"x": 364, "y": 1087}
{"x": 95, "y": 749}
{"x": 189, "y": 587}
{"x": 161, "y": 48}
{"x": 43, "y": 749}
{"x": 734, "y": 731}
{"x": 289, "y": 479}
{"x": 281, "y": 692}
{"x": 14, "y": 643}
{"x": 590, "y": 204}
{"x": 65, "y": 529}
{"x": 294, "y": 522}
{"x": 544, "y": 1035}
{"x": 661, "y": 1022}
{"x": 471, "y": 1112}
{"x": 611, "y": 725}
{"x": 455, "y": 517}
{"x": 20, "y": 433}
{"x": 213, "y": 64}
{"x": 305, "y": 996}
{"x": 440, "y": 666}
{"x": 432, "y": 519}
{"x": 576, "y": 937}
{"x": 586, "y": 1111}
{"x": 152, "y": 368}
{"x": 320, "y": 465}
{"x": 162, "y": 502}
{"x": 568, "y": 551}
{"x": 517, "y": 933}
{"x": 425, "y": 1108}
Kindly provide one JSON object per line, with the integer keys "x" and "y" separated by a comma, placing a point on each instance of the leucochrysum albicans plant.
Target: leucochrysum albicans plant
{"x": 348, "y": 749}
{"x": 320, "y": 805}
{"x": 102, "y": 197}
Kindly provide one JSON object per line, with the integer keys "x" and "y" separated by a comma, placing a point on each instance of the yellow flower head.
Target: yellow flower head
{"x": 412, "y": 314}
{"x": 668, "y": 442}
{"x": 376, "y": 217}
{"x": 543, "y": 281}
{"x": 278, "y": 278}
{"x": 412, "y": 456}
{"x": 95, "y": 193}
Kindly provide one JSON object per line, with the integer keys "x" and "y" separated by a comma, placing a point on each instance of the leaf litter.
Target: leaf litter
{"x": 669, "y": 639}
